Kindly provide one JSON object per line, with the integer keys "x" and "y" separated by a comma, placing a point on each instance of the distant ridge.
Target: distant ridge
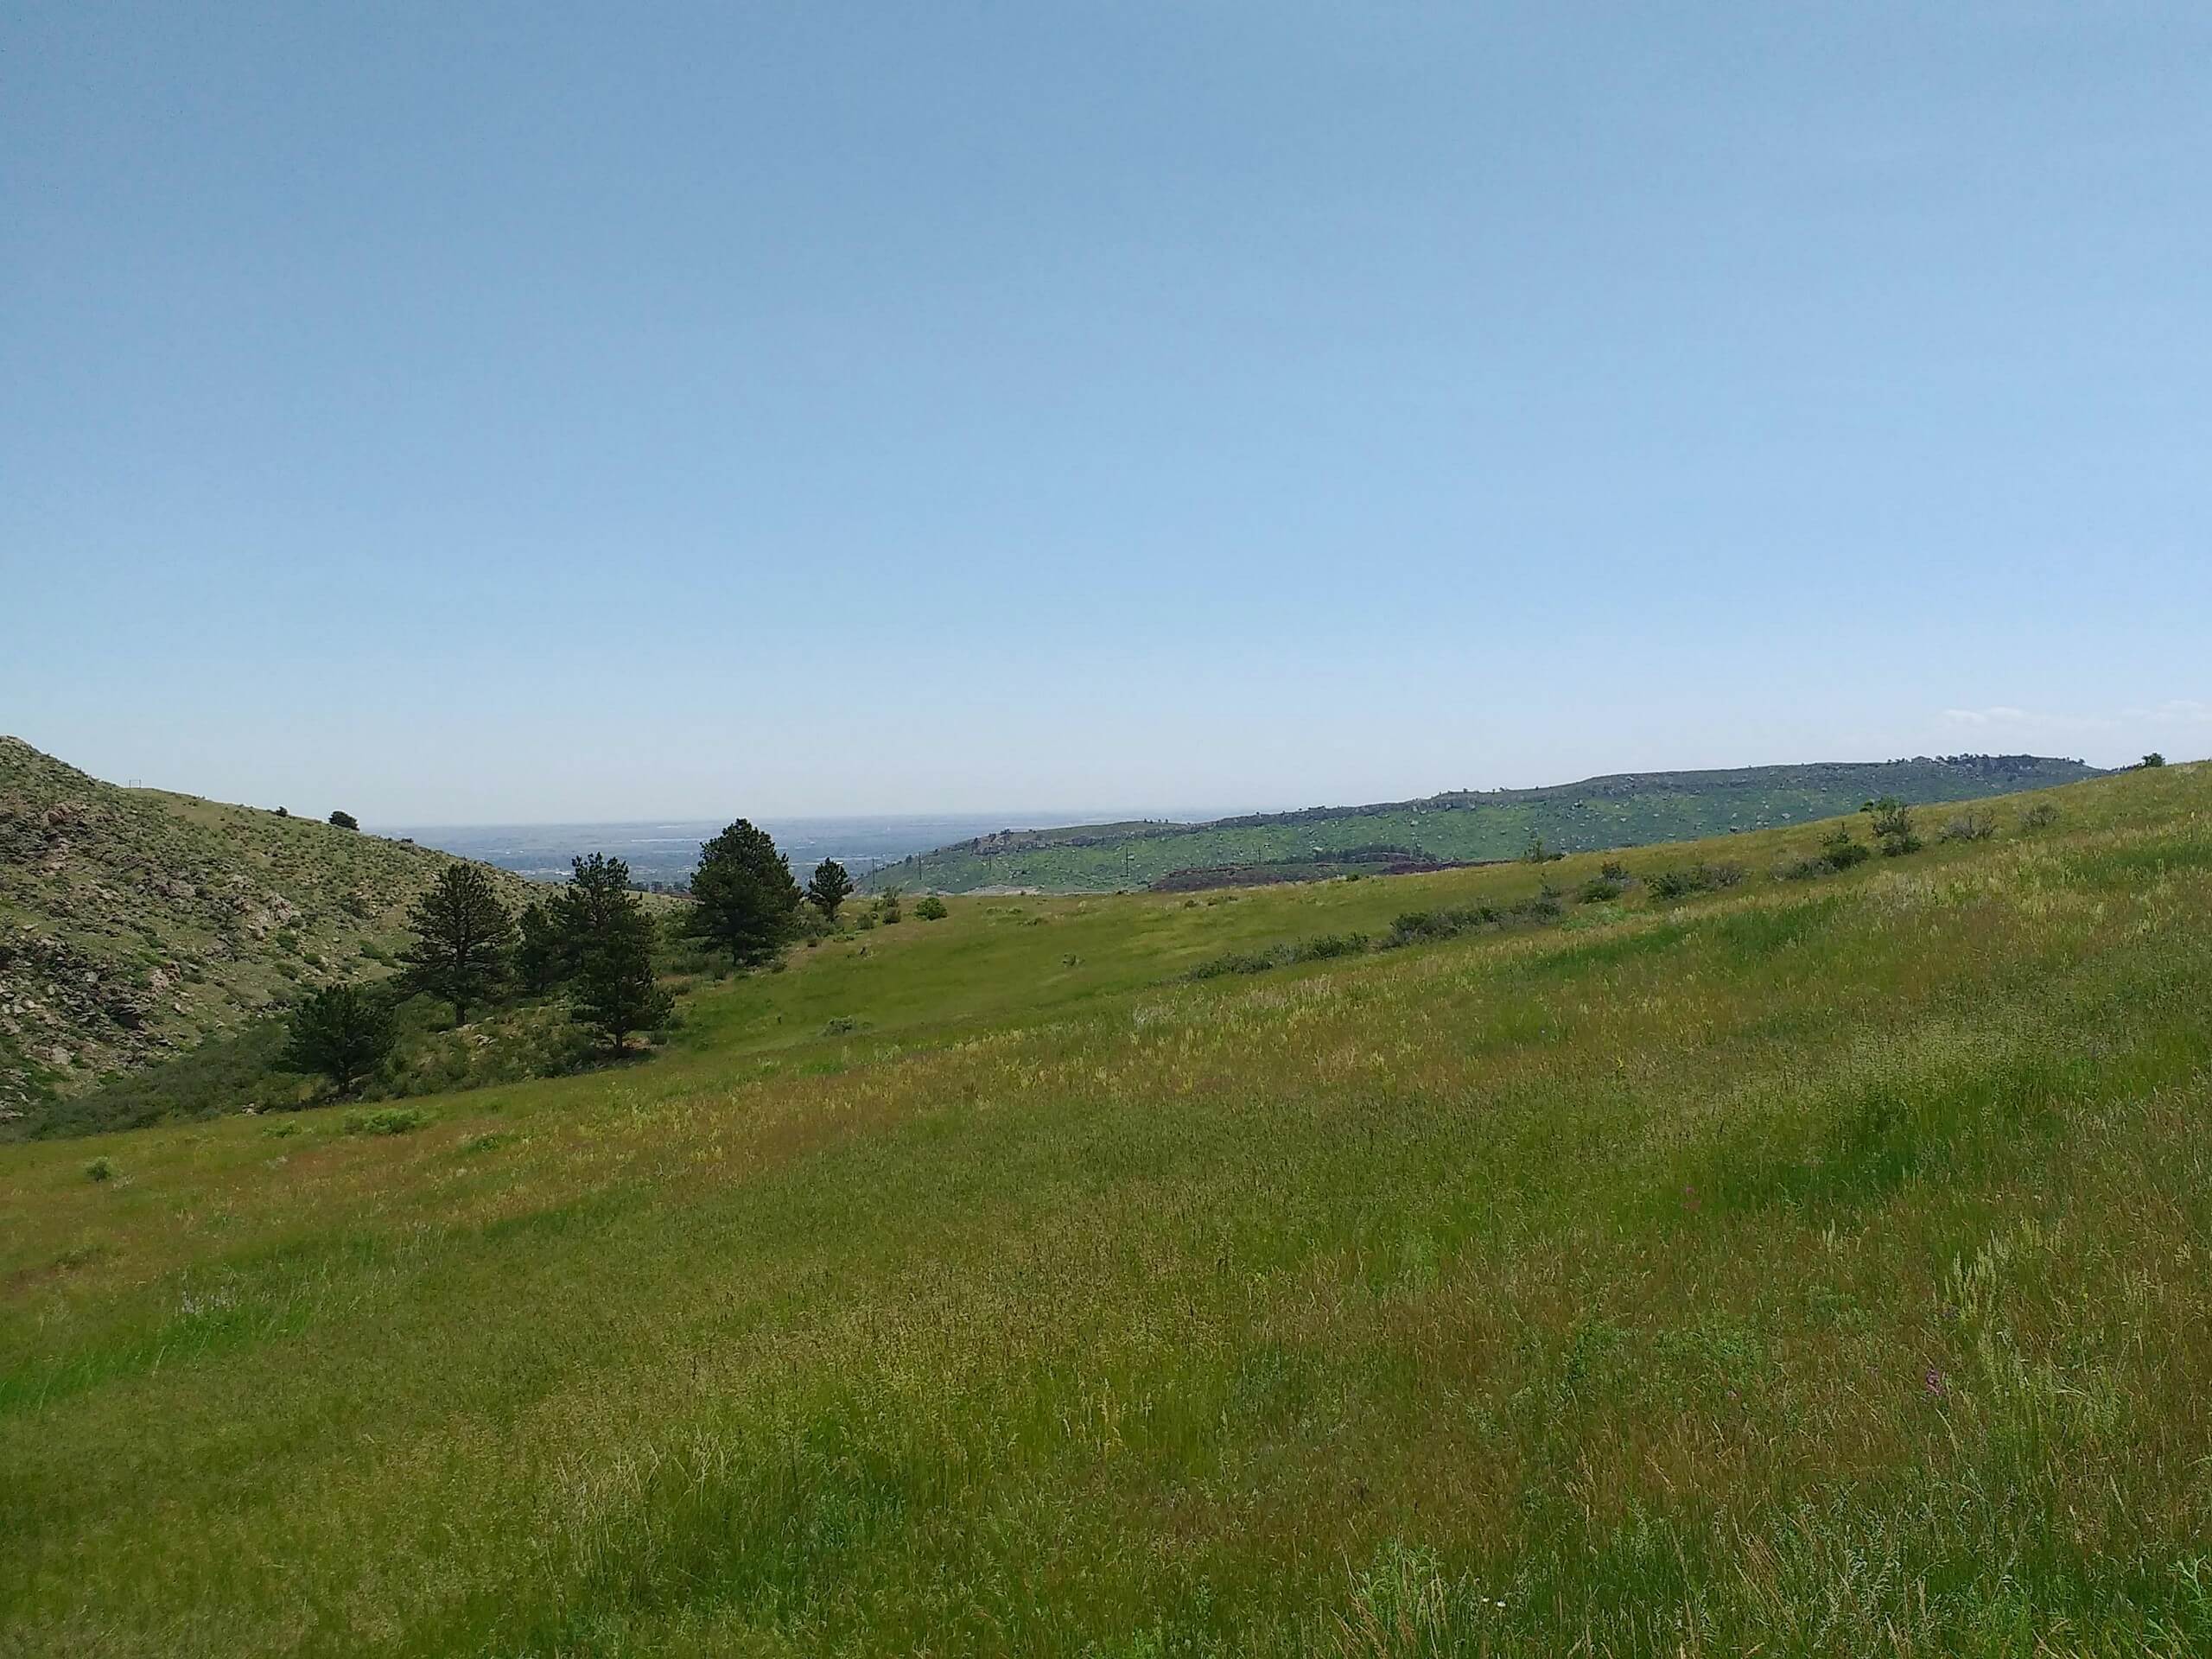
{"x": 1463, "y": 826}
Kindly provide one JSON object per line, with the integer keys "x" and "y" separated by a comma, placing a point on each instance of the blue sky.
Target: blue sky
{"x": 471, "y": 413}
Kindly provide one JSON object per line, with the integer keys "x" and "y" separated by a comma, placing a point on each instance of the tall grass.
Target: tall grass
{"x": 1798, "y": 1268}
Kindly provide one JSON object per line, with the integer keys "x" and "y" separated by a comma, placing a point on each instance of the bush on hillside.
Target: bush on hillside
{"x": 931, "y": 908}
{"x": 386, "y": 1120}
{"x": 2153, "y": 758}
{"x": 1597, "y": 890}
{"x": 1969, "y": 826}
{"x": 345, "y": 821}
{"x": 1322, "y": 947}
{"x": 1422, "y": 926}
{"x": 1894, "y": 831}
{"x": 1683, "y": 880}
{"x": 1839, "y": 852}
{"x": 2041, "y": 816}
{"x": 1419, "y": 926}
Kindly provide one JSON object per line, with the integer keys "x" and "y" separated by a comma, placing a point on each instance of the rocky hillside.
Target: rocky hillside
{"x": 136, "y": 924}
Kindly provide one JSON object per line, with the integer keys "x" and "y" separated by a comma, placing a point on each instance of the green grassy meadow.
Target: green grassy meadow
{"x": 1807, "y": 1267}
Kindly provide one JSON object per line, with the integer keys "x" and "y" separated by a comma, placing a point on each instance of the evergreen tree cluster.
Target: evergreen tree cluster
{"x": 592, "y": 940}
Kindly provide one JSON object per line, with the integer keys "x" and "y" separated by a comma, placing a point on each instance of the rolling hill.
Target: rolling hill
{"x": 136, "y": 924}
{"x": 1458, "y": 827}
{"x": 1732, "y": 1255}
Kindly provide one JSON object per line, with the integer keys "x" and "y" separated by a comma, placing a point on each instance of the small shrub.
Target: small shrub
{"x": 1321, "y": 948}
{"x": 100, "y": 1170}
{"x": 1840, "y": 852}
{"x": 865, "y": 920}
{"x": 386, "y": 1120}
{"x": 1893, "y": 826}
{"x": 1419, "y": 926}
{"x": 1597, "y": 890}
{"x": 1969, "y": 826}
{"x": 485, "y": 1142}
{"x": 1237, "y": 962}
{"x": 345, "y": 821}
{"x": 843, "y": 1025}
{"x": 1682, "y": 882}
{"x": 931, "y": 908}
{"x": 2153, "y": 758}
{"x": 1613, "y": 870}
{"x": 890, "y": 918}
{"x": 2041, "y": 816}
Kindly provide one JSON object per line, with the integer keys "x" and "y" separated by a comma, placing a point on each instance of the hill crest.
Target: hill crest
{"x": 1467, "y": 826}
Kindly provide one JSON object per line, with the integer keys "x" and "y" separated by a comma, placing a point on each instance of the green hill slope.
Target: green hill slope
{"x": 136, "y": 924}
{"x": 1804, "y": 1266}
{"x": 1630, "y": 810}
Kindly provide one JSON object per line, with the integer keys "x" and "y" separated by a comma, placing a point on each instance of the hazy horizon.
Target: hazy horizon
{"x": 984, "y": 820}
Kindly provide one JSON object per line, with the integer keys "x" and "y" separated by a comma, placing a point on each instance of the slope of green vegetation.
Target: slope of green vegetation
{"x": 1627, "y": 810}
{"x": 1803, "y": 1266}
{"x": 135, "y": 925}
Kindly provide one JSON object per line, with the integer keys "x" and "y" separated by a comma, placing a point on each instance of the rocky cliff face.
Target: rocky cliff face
{"x": 135, "y": 924}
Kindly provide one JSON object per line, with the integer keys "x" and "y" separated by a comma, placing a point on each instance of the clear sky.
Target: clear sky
{"x": 457, "y": 412}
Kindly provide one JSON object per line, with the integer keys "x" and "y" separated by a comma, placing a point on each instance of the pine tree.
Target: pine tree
{"x": 615, "y": 990}
{"x": 598, "y": 889}
{"x": 541, "y": 953}
{"x": 828, "y": 887}
{"x": 461, "y": 934}
{"x": 743, "y": 898}
{"x": 341, "y": 1032}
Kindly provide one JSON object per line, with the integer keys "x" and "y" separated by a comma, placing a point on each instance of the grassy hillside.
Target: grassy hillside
{"x": 135, "y": 925}
{"x": 1627, "y": 810}
{"x": 1806, "y": 1267}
